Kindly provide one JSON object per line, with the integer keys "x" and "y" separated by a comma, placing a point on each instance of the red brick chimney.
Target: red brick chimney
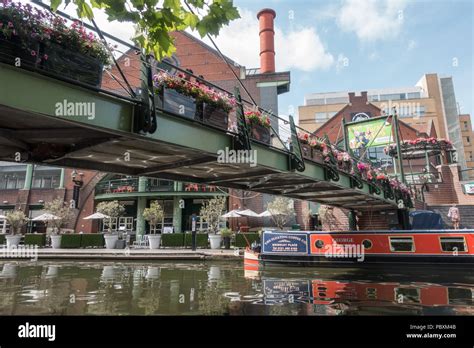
{"x": 267, "y": 40}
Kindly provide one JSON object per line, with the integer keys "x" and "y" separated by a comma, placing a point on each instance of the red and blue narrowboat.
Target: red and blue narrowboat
{"x": 362, "y": 248}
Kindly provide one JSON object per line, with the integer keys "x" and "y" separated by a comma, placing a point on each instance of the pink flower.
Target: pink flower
{"x": 45, "y": 57}
{"x": 10, "y": 24}
{"x": 33, "y": 53}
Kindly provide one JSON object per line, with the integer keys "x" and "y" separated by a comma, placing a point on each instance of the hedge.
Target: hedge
{"x": 71, "y": 241}
{"x": 201, "y": 240}
{"x": 3, "y": 239}
{"x": 92, "y": 240}
{"x": 240, "y": 241}
{"x": 38, "y": 239}
{"x": 172, "y": 239}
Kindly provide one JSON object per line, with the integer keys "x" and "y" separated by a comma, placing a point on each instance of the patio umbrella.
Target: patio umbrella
{"x": 46, "y": 217}
{"x": 248, "y": 212}
{"x": 231, "y": 214}
{"x": 97, "y": 216}
{"x": 2, "y": 217}
{"x": 266, "y": 213}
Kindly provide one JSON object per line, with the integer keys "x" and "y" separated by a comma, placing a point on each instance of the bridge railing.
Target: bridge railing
{"x": 180, "y": 92}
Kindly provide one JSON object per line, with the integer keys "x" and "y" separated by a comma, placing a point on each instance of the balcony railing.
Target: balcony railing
{"x": 117, "y": 186}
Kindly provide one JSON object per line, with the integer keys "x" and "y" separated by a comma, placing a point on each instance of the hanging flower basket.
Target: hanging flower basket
{"x": 419, "y": 148}
{"x": 35, "y": 39}
{"x": 259, "y": 126}
{"x": 305, "y": 147}
{"x": 210, "y": 106}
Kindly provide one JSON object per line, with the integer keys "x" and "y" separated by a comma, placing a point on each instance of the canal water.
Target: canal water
{"x": 224, "y": 288}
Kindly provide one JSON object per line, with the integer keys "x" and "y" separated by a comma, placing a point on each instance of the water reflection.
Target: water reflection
{"x": 223, "y": 288}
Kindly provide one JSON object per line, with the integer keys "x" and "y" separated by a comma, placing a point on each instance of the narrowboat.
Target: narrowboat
{"x": 362, "y": 248}
{"x": 363, "y": 295}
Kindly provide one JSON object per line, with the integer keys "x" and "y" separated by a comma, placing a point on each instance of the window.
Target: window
{"x": 46, "y": 181}
{"x": 407, "y": 295}
{"x": 315, "y": 101}
{"x": 402, "y": 244}
{"x": 321, "y": 116}
{"x": 373, "y": 98}
{"x": 12, "y": 181}
{"x": 449, "y": 244}
{"x": 468, "y": 140}
{"x": 469, "y": 154}
{"x": 337, "y": 100}
{"x": 460, "y": 296}
{"x": 384, "y": 97}
{"x": 466, "y": 125}
{"x": 415, "y": 95}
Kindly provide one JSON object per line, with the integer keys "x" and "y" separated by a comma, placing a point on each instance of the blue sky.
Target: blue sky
{"x": 386, "y": 43}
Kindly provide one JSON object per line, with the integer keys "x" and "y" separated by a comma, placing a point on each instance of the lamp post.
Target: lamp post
{"x": 78, "y": 182}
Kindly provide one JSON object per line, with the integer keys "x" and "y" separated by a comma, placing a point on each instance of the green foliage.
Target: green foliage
{"x": 38, "y": 239}
{"x": 226, "y": 232}
{"x": 113, "y": 209}
{"x": 92, "y": 240}
{"x": 242, "y": 238}
{"x": 172, "y": 239}
{"x": 202, "y": 240}
{"x": 16, "y": 219}
{"x": 71, "y": 241}
{"x": 153, "y": 214}
{"x": 211, "y": 212}
{"x": 60, "y": 209}
{"x": 154, "y": 23}
{"x": 282, "y": 210}
{"x": 2, "y": 239}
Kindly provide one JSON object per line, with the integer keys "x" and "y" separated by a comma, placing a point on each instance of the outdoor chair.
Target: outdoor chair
{"x": 141, "y": 242}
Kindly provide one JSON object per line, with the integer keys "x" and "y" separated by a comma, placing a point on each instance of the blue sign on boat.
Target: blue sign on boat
{"x": 288, "y": 243}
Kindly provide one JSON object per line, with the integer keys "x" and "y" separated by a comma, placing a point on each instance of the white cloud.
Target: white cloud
{"x": 296, "y": 49}
{"x": 373, "y": 56}
{"x": 372, "y": 20}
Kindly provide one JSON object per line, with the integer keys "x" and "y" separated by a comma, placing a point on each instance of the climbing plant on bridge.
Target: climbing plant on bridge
{"x": 155, "y": 19}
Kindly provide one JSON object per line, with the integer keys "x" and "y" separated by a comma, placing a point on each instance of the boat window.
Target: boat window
{"x": 407, "y": 295}
{"x": 402, "y": 244}
{"x": 371, "y": 293}
{"x": 453, "y": 244}
{"x": 367, "y": 243}
{"x": 460, "y": 296}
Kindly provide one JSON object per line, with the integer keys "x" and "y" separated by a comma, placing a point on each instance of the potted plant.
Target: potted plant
{"x": 153, "y": 215}
{"x": 113, "y": 210}
{"x": 226, "y": 234}
{"x": 282, "y": 210}
{"x": 45, "y": 42}
{"x": 16, "y": 219}
{"x": 211, "y": 213}
{"x": 62, "y": 213}
{"x": 259, "y": 126}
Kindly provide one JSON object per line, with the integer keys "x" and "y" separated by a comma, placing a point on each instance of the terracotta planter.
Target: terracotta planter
{"x": 260, "y": 133}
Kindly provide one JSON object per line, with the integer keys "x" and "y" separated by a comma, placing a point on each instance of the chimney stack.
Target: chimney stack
{"x": 267, "y": 44}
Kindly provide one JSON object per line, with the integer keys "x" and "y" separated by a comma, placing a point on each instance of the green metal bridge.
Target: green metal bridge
{"x": 181, "y": 149}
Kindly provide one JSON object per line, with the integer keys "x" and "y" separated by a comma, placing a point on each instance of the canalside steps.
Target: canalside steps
{"x": 466, "y": 212}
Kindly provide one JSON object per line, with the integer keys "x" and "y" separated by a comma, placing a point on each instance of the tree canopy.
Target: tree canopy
{"x": 156, "y": 19}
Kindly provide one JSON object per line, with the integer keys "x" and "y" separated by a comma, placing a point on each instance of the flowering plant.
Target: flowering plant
{"x": 197, "y": 90}
{"x": 29, "y": 25}
{"x": 256, "y": 117}
{"x": 422, "y": 143}
{"x": 303, "y": 137}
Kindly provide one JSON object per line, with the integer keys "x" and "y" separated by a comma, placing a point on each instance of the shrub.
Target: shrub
{"x": 38, "y": 239}
{"x": 201, "y": 240}
{"x": 92, "y": 240}
{"x": 2, "y": 239}
{"x": 240, "y": 241}
{"x": 71, "y": 241}
{"x": 172, "y": 239}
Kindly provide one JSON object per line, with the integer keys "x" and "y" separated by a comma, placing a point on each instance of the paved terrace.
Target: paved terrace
{"x": 134, "y": 254}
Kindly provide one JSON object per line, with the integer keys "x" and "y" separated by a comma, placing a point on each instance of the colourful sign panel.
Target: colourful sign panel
{"x": 369, "y": 134}
{"x": 285, "y": 243}
{"x": 469, "y": 188}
